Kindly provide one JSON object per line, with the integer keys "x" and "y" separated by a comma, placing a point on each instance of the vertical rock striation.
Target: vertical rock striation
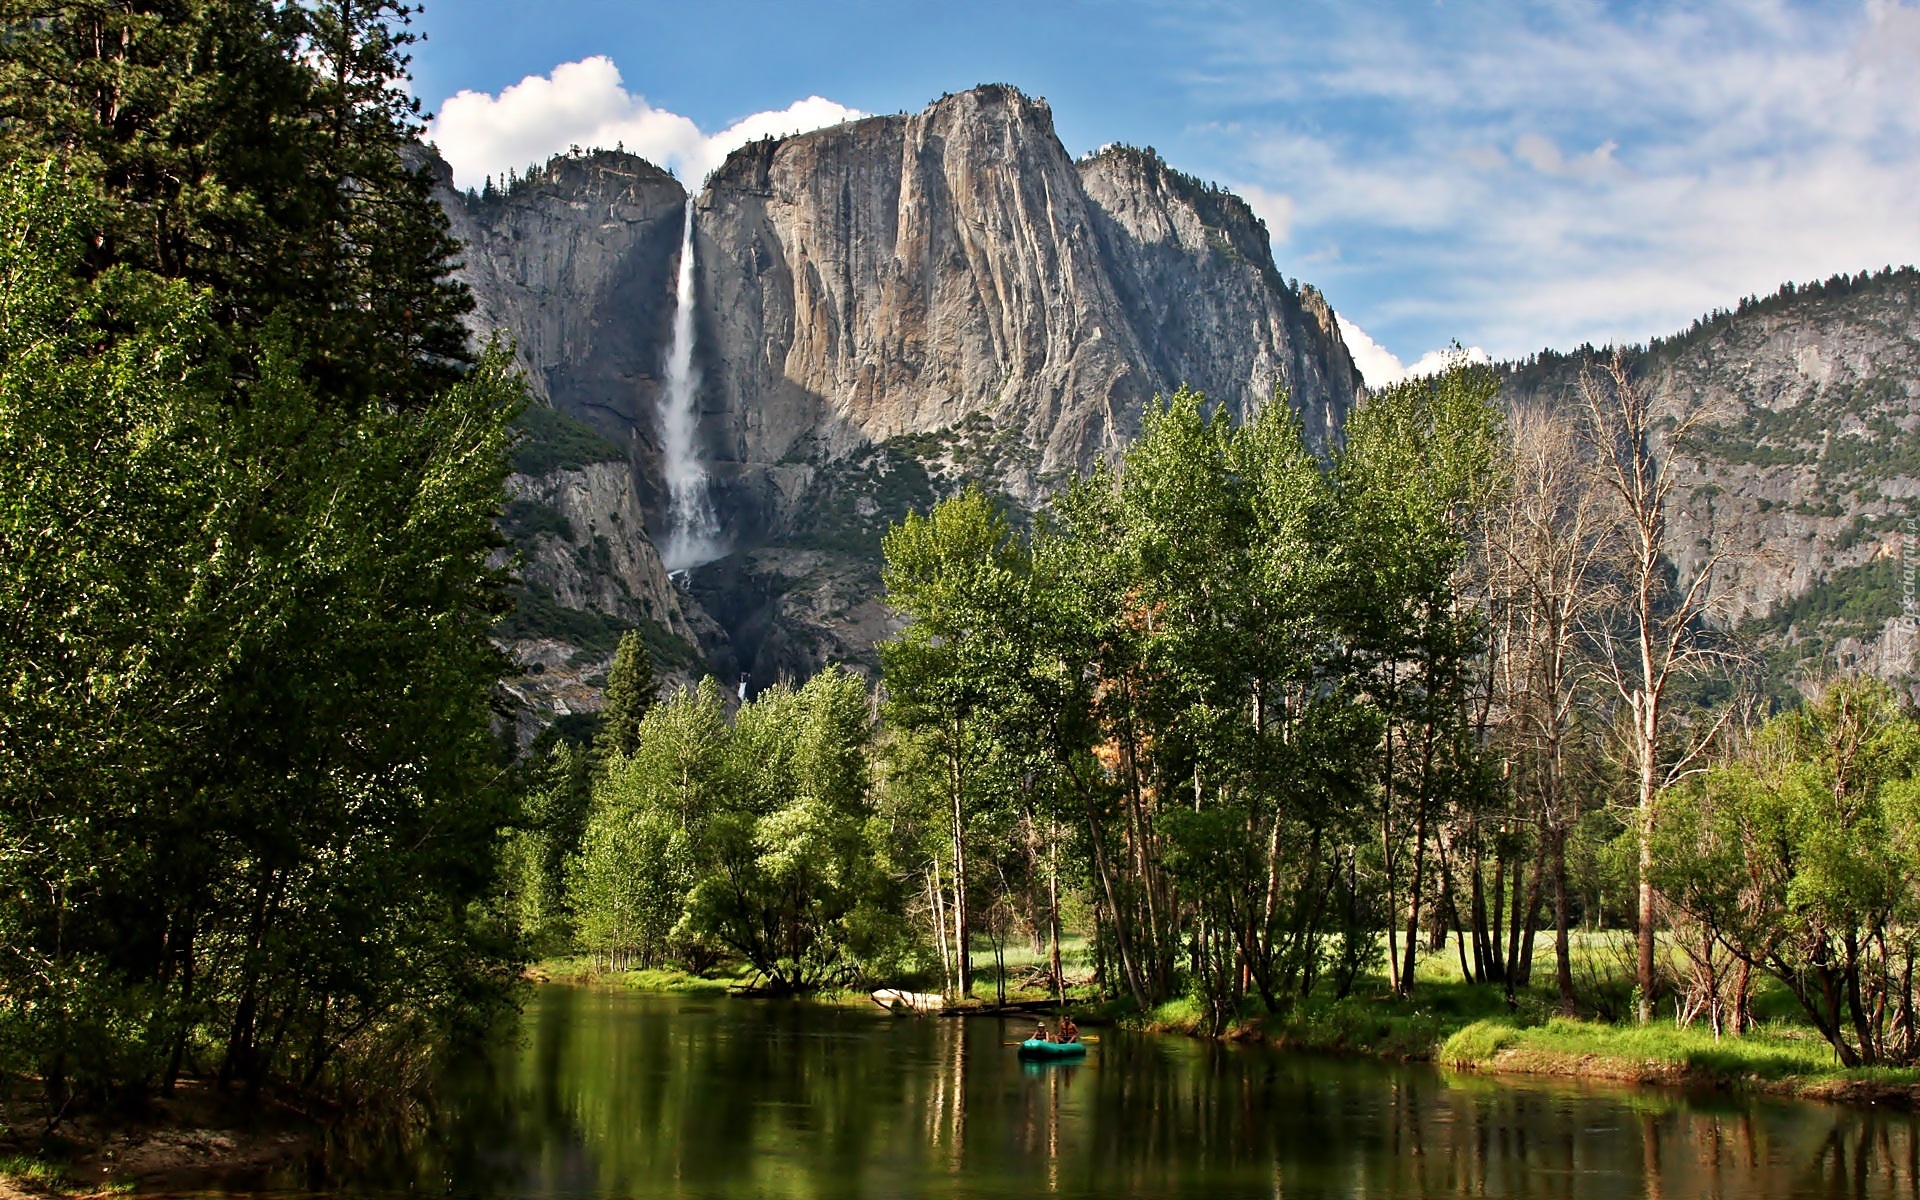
{"x": 900, "y": 275}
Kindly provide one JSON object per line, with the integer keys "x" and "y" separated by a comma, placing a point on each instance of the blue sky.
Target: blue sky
{"x": 1508, "y": 175}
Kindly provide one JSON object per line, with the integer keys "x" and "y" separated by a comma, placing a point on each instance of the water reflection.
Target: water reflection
{"x": 621, "y": 1095}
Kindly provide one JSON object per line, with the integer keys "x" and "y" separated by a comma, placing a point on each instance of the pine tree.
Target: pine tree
{"x": 264, "y": 152}
{"x": 630, "y": 693}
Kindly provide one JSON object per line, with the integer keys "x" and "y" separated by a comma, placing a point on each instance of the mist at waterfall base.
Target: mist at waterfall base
{"x": 693, "y": 529}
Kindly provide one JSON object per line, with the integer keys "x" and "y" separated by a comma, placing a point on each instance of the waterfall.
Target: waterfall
{"x": 693, "y": 531}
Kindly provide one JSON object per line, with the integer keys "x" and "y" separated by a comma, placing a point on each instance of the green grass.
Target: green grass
{"x": 1561, "y": 1045}
{"x": 670, "y": 979}
{"x": 24, "y": 1168}
{"x": 1182, "y": 1012}
{"x": 38, "y": 1176}
{"x": 582, "y": 968}
{"x": 1477, "y": 1043}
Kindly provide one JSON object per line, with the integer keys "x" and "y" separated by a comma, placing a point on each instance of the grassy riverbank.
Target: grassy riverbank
{"x": 1466, "y": 1027}
{"x": 1780, "y": 1059}
{"x": 584, "y": 970}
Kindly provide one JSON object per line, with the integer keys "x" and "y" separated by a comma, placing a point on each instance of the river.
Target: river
{"x": 609, "y": 1093}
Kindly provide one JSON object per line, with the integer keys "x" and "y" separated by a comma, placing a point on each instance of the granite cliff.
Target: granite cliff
{"x": 887, "y": 310}
{"x": 890, "y": 309}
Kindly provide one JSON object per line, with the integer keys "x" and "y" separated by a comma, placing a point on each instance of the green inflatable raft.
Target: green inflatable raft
{"x": 1037, "y": 1049}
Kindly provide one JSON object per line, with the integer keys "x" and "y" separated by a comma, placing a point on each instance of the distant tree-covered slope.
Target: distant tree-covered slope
{"x": 1807, "y": 469}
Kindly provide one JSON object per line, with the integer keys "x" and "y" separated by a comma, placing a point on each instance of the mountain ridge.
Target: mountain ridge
{"x": 898, "y": 306}
{"x": 867, "y": 295}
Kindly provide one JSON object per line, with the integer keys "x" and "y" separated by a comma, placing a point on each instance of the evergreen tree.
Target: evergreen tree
{"x": 629, "y": 696}
{"x": 262, "y": 151}
{"x": 231, "y": 270}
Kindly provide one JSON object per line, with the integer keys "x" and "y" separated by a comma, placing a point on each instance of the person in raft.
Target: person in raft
{"x": 1039, "y": 1033}
{"x": 1069, "y": 1032}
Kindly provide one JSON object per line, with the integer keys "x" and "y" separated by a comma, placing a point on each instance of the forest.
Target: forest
{"x": 1226, "y": 724}
{"x": 1265, "y": 729}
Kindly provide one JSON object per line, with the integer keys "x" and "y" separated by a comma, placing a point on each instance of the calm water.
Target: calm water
{"x": 612, "y": 1094}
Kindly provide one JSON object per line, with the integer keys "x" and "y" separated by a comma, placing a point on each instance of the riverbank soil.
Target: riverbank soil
{"x": 200, "y": 1136}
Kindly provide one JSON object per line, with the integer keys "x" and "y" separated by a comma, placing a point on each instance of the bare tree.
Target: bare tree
{"x": 1632, "y": 431}
{"x": 1550, "y": 556}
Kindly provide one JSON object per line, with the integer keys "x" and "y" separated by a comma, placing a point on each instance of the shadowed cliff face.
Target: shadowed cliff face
{"x": 888, "y": 309}
{"x": 577, "y": 268}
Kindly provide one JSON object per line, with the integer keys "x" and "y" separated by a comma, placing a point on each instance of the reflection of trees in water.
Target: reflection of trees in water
{"x": 617, "y": 1094}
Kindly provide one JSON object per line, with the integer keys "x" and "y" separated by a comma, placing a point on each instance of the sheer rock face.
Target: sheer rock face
{"x": 1194, "y": 270}
{"x": 576, "y": 268}
{"x": 603, "y": 562}
{"x": 898, "y": 275}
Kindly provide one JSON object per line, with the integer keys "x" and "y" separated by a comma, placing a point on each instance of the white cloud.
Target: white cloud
{"x": 1378, "y": 365}
{"x": 586, "y": 104}
{"x": 1587, "y": 172}
{"x": 1435, "y": 361}
{"x": 1381, "y": 367}
{"x": 1275, "y": 208}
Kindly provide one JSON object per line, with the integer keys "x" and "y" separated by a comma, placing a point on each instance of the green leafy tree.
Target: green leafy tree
{"x": 1420, "y": 466}
{"x": 558, "y": 795}
{"x": 789, "y": 877}
{"x": 647, "y": 827}
{"x": 263, "y": 152}
{"x": 250, "y": 790}
{"x": 958, "y": 574}
{"x": 1800, "y": 854}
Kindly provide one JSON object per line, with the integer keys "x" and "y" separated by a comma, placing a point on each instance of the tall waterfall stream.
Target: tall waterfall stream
{"x": 693, "y": 529}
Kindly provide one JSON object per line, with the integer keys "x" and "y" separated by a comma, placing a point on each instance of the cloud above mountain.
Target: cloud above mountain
{"x": 1549, "y": 174}
{"x": 1514, "y": 175}
{"x": 1381, "y": 367}
{"x": 586, "y": 104}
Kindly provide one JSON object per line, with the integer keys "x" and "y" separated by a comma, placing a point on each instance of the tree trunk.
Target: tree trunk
{"x": 962, "y": 925}
{"x": 1742, "y": 996}
{"x": 1525, "y": 921}
{"x": 1412, "y": 949}
{"x": 1862, "y": 1029}
{"x": 937, "y": 906}
{"x": 1500, "y": 958}
{"x": 1122, "y": 945}
{"x": 1053, "y": 914}
{"x": 1483, "y": 967}
{"x": 1562, "y": 948}
{"x": 1643, "y": 967}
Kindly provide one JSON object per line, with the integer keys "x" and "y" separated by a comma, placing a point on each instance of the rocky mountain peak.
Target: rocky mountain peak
{"x": 885, "y": 309}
